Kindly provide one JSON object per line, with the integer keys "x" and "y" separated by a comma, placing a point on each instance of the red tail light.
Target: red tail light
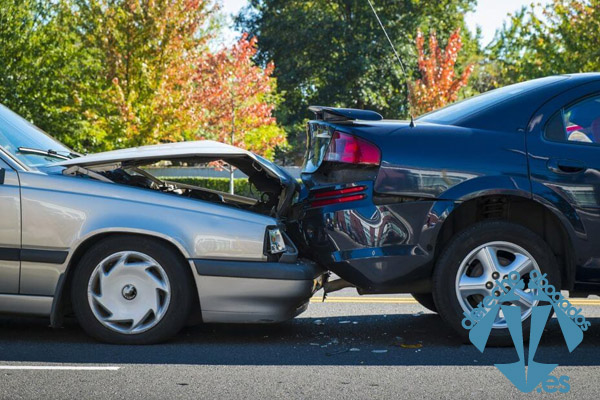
{"x": 350, "y": 149}
{"x": 326, "y": 202}
{"x": 347, "y": 194}
{"x": 331, "y": 193}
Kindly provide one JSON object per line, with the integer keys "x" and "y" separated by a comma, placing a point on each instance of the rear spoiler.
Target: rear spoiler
{"x": 344, "y": 114}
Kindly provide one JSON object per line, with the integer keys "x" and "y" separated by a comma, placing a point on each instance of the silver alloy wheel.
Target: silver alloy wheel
{"x": 478, "y": 269}
{"x": 129, "y": 292}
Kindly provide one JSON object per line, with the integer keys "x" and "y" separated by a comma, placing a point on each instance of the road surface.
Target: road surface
{"x": 351, "y": 347}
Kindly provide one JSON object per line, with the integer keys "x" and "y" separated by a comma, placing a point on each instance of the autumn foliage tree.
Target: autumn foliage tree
{"x": 236, "y": 98}
{"x": 439, "y": 84}
{"x": 148, "y": 49}
{"x": 163, "y": 83}
{"x": 107, "y": 74}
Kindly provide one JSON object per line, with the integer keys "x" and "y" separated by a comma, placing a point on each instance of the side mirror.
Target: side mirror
{"x": 2, "y": 174}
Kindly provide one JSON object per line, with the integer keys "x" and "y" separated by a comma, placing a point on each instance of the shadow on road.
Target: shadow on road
{"x": 302, "y": 341}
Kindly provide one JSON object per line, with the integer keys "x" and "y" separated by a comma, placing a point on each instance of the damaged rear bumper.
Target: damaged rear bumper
{"x": 255, "y": 292}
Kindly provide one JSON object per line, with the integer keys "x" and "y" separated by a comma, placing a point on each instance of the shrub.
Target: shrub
{"x": 241, "y": 185}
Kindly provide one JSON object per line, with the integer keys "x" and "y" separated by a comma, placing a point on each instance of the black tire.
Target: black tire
{"x": 447, "y": 266}
{"x": 426, "y": 300}
{"x": 177, "y": 271}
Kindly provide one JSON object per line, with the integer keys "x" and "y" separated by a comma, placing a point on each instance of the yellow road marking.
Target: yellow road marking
{"x": 410, "y": 300}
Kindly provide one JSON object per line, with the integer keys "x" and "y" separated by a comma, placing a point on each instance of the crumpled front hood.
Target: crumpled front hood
{"x": 251, "y": 164}
{"x": 207, "y": 148}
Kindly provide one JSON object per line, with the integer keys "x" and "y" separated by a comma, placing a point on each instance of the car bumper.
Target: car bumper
{"x": 378, "y": 248}
{"x": 255, "y": 292}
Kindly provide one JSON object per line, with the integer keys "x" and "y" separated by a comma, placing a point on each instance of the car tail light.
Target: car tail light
{"x": 331, "y": 193}
{"x": 349, "y": 149}
{"x": 339, "y": 196}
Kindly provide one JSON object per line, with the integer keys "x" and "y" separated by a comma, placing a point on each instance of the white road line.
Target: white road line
{"x": 58, "y": 368}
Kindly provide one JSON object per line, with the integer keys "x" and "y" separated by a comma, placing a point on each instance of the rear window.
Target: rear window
{"x": 462, "y": 109}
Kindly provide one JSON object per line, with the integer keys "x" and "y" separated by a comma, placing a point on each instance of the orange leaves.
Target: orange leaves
{"x": 438, "y": 85}
{"x": 238, "y": 96}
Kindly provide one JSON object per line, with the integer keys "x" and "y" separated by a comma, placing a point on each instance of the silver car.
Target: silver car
{"x": 135, "y": 257}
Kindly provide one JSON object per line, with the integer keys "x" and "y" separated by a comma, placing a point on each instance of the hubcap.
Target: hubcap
{"x": 129, "y": 292}
{"x": 487, "y": 263}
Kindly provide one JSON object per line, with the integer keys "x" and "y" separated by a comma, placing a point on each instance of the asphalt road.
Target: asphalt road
{"x": 349, "y": 348}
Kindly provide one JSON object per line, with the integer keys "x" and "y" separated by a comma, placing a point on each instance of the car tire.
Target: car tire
{"x": 426, "y": 300}
{"x": 450, "y": 293}
{"x": 132, "y": 290}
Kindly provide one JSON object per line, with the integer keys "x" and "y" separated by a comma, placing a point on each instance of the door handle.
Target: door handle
{"x": 566, "y": 166}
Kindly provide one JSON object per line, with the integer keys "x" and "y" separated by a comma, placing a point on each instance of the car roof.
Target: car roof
{"x": 515, "y": 113}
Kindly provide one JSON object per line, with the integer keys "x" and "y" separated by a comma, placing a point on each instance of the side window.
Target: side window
{"x": 577, "y": 123}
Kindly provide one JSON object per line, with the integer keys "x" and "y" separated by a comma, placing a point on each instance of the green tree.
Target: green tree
{"x": 563, "y": 38}
{"x": 46, "y": 75}
{"x": 332, "y": 52}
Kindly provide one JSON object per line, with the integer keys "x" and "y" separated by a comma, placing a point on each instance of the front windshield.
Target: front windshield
{"x": 457, "y": 111}
{"x": 16, "y": 132}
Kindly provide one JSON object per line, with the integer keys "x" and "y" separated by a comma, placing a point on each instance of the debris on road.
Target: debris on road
{"x": 354, "y": 349}
{"x": 411, "y": 346}
{"x": 379, "y": 351}
{"x": 400, "y": 343}
{"x": 345, "y": 322}
{"x": 318, "y": 322}
{"x": 418, "y": 314}
{"x": 333, "y": 353}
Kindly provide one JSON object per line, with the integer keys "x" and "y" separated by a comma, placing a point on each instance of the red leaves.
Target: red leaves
{"x": 237, "y": 95}
{"x": 438, "y": 85}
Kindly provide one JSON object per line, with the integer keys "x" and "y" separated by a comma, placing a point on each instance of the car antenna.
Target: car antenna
{"x": 412, "y": 119}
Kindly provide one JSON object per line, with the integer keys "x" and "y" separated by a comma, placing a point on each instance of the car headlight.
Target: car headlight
{"x": 276, "y": 242}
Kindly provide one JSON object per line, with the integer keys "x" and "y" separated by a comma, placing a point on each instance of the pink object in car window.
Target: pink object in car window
{"x": 573, "y": 128}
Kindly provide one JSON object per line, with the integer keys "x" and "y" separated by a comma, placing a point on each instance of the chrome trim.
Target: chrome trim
{"x": 12, "y": 161}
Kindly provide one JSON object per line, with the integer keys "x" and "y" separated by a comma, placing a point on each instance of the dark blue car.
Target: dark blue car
{"x": 444, "y": 206}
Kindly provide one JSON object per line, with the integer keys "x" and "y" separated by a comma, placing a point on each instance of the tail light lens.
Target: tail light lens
{"x": 338, "y": 196}
{"x": 349, "y": 149}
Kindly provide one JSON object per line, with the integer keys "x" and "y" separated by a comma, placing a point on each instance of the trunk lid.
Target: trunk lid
{"x": 363, "y": 124}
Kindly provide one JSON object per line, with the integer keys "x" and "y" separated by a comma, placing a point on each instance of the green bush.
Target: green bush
{"x": 241, "y": 185}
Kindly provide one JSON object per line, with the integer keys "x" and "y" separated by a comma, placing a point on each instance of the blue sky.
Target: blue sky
{"x": 489, "y": 14}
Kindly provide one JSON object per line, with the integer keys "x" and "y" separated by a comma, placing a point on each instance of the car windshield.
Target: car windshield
{"x": 36, "y": 146}
{"x": 459, "y": 110}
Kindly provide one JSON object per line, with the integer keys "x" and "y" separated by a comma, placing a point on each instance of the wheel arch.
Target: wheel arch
{"x": 61, "y": 303}
{"x": 521, "y": 210}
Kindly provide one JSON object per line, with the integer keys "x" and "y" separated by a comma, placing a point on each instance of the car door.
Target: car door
{"x": 10, "y": 229}
{"x": 564, "y": 161}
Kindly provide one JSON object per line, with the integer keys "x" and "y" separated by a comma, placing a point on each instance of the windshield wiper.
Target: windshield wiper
{"x": 49, "y": 153}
